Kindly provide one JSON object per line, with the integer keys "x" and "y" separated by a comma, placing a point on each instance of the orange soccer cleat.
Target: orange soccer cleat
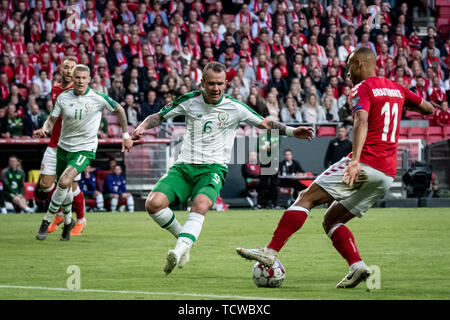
{"x": 55, "y": 223}
{"x": 78, "y": 229}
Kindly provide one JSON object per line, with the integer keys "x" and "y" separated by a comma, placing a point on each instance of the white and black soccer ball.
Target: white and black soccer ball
{"x": 269, "y": 277}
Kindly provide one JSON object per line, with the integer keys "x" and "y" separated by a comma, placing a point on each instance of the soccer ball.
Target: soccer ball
{"x": 269, "y": 277}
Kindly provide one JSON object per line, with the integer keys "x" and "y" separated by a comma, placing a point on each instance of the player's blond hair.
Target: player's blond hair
{"x": 81, "y": 67}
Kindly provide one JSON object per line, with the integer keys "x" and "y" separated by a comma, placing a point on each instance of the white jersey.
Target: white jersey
{"x": 81, "y": 117}
{"x": 210, "y": 128}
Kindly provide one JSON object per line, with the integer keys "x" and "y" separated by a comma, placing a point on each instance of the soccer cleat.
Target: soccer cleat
{"x": 264, "y": 256}
{"x": 55, "y": 223}
{"x": 43, "y": 230}
{"x": 357, "y": 272}
{"x": 78, "y": 229}
{"x": 184, "y": 259}
{"x": 65, "y": 236}
{"x": 172, "y": 260}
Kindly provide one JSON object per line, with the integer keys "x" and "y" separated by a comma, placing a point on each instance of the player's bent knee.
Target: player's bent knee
{"x": 155, "y": 202}
{"x": 201, "y": 204}
{"x": 46, "y": 182}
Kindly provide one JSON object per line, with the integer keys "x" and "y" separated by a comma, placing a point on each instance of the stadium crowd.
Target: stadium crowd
{"x": 286, "y": 59}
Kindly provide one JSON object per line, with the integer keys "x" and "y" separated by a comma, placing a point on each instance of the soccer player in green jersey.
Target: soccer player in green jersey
{"x": 212, "y": 119}
{"x": 81, "y": 111}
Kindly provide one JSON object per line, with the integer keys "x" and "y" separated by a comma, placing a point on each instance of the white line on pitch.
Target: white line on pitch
{"x": 180, "y": 294}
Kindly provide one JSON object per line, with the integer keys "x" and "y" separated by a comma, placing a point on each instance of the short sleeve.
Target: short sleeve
{"x": 56, "y": 111}
{"x": 178, "y": 106}
{"x": 107, "y": 102}
{"x": 248, "y": 115}
{"x": 411, "y": 99}
{"x": 360, "y": 98}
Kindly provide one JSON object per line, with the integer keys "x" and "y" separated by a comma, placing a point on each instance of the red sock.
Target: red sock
{"x": 50, "y": 193}
{"x": 292, "y": 220}
{"x": 78, "y": 205}
{"x": 344, "y": 242}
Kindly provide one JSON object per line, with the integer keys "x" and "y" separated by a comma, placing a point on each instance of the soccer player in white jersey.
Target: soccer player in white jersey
{"x": 212, "y": 119}
{"x": 81, "y": 111}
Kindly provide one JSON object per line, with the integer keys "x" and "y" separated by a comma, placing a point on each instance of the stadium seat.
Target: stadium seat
{"x": 29, "y": 188}
{"x": 434, "y": 134}
{"x": 179, "y": 131}
{"x": 403, "y": 133}
{"x": 417, "y": 133}
{"x": 112, "y": 120}
{"x": 325, "y": 131}
{"x": 101, "y": 176}
{"x": 447, "y": 132}
{"x": 114, "y": 130}
{"x": 412, "y": 115}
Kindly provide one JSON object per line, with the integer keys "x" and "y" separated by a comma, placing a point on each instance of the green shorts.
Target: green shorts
{"x": 79, "y": 160}
{"x": 184, "y": 181}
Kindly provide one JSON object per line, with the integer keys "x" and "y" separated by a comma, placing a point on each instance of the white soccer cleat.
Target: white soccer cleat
{"x": 264, "y": 256}
{"x": 357, "y": 272}
{"x": 184, "y": 259}
{"x": 172, "y": 260}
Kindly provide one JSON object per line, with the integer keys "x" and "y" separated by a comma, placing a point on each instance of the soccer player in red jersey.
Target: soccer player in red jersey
{"x": 356, "y": 182}
{"x": 48, "y": 165}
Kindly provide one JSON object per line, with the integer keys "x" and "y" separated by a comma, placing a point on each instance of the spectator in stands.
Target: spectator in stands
{"x": 291, "y": 113}
{"x": 33, "y": 120}
{"x": 272, "y": 105}
{"x": 338, "y": 148}
{"x": 13, "y": 178}
{"x": 45, "y": 86}
{"x": 256, "y": 102}
{"x": 115, "y": 187}
{"x": 88, "y": 185}
{"x": 117, "y": 90}
{"x": 251, "y": 173}
{"x": 15, "y": 124}
{"x": 278, "y": 82}
{"x": 312, "y": 112}
{"x": 289, "y": 168}
{"x": 441, "y": 115}
{"x": 436, "y": 93}
{"x": 152, "y": 105}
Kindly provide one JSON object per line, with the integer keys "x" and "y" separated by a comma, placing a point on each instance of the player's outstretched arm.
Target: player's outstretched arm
{"x": 46, "y": 128}
{"x": 424, "y": 107}
{"x": 360, "y": 125}
{"x": 127, "y": 143}
{"x": 150, "y": 122}
{"x": 299, "y": 132}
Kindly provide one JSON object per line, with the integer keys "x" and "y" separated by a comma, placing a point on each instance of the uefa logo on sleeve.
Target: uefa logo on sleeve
{"x": 73, "y": 17}
{"x": 374, "y": 18}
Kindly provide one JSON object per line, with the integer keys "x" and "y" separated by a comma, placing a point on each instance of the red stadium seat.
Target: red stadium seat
{"x": 29, "y": 188}
{"x": 412, "y": 115}
{"x": 101, "y": 176}
{"x": 447, "y": 132}
{"x": 434, "y": 134}
{"x": 325, "y": 131}
{"x": 417, "y": 132}
{"x": 403, "y": 133}
{"x": 114, "y": 130}
{"x": 112, "y": 119}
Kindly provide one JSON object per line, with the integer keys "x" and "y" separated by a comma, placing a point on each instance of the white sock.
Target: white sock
{"x": 55, "y": 203}
{"x": 166, "y": 219}
{"x": 67, "y": 207}
{"x": 99, "y": 199}
{"x": 130, "y": 203}
{"x": 189, "y": 233}
{"x": 114, "y": 202}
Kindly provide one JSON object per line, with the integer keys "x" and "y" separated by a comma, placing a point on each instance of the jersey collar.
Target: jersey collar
{"x": 85, "y": 93}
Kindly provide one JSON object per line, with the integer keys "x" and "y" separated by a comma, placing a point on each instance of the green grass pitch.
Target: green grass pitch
{"x": 121, "y": 256}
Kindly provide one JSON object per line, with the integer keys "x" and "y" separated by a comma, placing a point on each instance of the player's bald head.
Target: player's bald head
{"x": 361, "y": 64}
{"x": 364, "y": 55}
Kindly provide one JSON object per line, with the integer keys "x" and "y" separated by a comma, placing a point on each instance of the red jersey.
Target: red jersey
{"x": 383, "y": 100}
{"x": 56, "y": 131}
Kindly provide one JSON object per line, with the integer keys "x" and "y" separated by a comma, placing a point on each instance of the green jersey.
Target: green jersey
{"x": 81, "y": 117}
{"x": 210, "y": 128}
{"x": 13, "y": 181}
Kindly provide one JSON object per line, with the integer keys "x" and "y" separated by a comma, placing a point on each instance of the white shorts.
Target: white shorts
{"x": 372, "y": 185}
{"x": 48, "y": 164}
